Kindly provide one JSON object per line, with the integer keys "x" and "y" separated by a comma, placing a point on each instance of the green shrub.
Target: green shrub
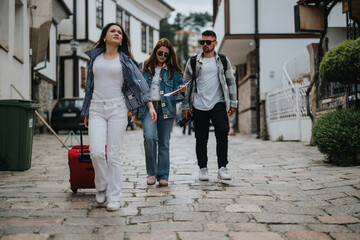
{"x": 342, "y": 63}
{"x": 280, "y": 138}
{"x": 337, "y": 136}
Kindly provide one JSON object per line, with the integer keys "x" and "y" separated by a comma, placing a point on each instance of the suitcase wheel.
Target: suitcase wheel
{"x": 74, "y": 190}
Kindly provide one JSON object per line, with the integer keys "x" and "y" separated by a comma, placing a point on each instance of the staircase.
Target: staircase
{"x": 296, "y": 71}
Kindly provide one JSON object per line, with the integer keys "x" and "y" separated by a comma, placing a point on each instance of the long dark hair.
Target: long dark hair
{"x": 125, "y": 46}
{"x": 171, "y": 61}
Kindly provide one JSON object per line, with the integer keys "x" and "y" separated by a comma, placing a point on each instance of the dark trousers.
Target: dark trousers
{"x": 220, "y": 120}
{"x": 188, "y": 125}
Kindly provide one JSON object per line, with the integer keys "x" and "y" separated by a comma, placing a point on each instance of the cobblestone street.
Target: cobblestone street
{"x": 279, "y": 190}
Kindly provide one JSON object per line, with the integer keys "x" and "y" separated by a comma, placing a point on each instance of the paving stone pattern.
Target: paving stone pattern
{"x": 279, "y": 191}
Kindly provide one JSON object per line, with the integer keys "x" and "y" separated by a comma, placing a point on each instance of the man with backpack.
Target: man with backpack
{"x": 211, "y": 95}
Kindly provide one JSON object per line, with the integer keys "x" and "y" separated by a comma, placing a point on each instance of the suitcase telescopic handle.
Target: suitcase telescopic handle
{"x": 81, "y": 139}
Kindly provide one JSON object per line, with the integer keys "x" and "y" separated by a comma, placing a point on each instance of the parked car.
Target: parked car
{"x": 66, "y": 114}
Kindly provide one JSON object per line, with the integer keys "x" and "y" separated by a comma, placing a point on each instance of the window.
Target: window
{"x": 4, "y": 26}
{"x": 127, "y": 24}
{"x": 48, "y": 51}
{"x": 118, "y": 15}
{"x": 83, "y": 77}
{"x": 70, "y": 103}
{"x": 331, "y": 89}
{"x": 151, "y": 39}
{"x": 99, "y": 14}
{"x": 143, "y": 38}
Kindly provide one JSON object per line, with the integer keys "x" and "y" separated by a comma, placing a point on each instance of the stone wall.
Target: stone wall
{"x": 247, "y": 96}
{"x": 330, "y": 104}
{"x": 247, "y": 106}
{"x": 43, "y": 95}
{"x": 262, "y": 123}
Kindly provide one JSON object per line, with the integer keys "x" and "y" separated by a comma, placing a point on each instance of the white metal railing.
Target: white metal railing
{"x": 287, "y": 107}
{"x": 287, "y": 103}
{"x": 296, "y": 71}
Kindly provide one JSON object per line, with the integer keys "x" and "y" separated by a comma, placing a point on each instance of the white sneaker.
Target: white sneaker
{"x": 113, "y": 206}
{"x": 101, "y": 196}
{"x": 203, "y": 174}
{"x": 223, "y": 174}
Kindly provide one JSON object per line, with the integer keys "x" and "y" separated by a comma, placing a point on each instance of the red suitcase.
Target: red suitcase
{"x": 81, "y": 169}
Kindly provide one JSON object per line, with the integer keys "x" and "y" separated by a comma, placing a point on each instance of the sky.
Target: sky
{"x": 186, "y": 6}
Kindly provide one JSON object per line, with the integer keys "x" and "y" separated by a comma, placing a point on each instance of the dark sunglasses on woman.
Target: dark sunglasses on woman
{"x": 161, "y": 53}
{"x": 208, "y": 42}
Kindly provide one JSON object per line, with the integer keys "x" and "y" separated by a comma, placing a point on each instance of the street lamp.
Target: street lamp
{"x": 74, "y": 45}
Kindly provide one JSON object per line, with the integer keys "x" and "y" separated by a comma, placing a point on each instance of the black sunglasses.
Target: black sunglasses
{"x": 161, "y": 53}
{"x": 208, "y": 42}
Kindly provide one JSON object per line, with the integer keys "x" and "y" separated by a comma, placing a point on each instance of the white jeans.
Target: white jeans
{"x": 107, "y": 123}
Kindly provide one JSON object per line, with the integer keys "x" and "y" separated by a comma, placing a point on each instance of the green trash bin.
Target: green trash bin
{"x": 16, "y": 133}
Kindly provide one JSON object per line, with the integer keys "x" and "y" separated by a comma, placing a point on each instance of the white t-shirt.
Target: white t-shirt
{"x": 108, "y": 78}
{"x": 155, "y": 85}
{"x": 209, "y": 91}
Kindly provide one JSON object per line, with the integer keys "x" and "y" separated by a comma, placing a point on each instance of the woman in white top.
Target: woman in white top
{"x": 110, "y": 92}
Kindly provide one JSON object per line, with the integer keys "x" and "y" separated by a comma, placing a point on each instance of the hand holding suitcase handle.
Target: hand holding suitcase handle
{"x": 86, "y": 122}
{"x": 82, "y": 157}
{"x": 81, "y": 138}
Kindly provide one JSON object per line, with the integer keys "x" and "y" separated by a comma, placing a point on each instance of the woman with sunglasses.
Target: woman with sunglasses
{"x": 163, "y": 75}
{"x": 114, "y": 85}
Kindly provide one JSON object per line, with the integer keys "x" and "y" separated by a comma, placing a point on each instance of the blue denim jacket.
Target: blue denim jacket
{"x": 168, "y": 104}
{"x": 135, "y": 90}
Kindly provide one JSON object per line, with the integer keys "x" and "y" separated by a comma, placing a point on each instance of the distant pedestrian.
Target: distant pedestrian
{"x": 114, "y": 85}
{"x": 163, "y": 75}
{"x": 211, "y": 96}
{"x": 188, "y": 125}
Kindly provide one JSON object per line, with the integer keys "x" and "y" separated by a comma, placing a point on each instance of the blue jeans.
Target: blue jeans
{"x": 156, "y": 144}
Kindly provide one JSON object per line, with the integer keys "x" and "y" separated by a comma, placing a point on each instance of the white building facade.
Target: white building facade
{"x": 14, "y": 49}
{"x": 238, "y": 25}
{"x": 140, "y": 20}
{"x": 28, "y": 44}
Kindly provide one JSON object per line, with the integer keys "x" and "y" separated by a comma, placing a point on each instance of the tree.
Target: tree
{"x": 194, "y": 21}
{"x": 185, "y": 48}
{"x": 197, "y": 20}
{"x": 182, "y": 47}
{"x": 179, "y": 51}
{"x": 166, "y": 29}
{"x": 315, "y": 77}
{"x": 342, "y": 63}
{"x": 179, "y": 22}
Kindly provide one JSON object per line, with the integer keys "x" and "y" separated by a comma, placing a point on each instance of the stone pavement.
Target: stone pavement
{"x": 280, "y": 190}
